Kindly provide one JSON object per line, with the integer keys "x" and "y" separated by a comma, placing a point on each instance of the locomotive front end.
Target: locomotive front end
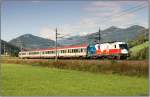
{"x": 124, "y": 50}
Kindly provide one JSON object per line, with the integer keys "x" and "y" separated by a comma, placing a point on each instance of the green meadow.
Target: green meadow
{"x": 27, "y": 80}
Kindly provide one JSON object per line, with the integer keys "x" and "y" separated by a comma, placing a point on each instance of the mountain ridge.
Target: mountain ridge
{"x": 30, "y": 41}
{"x": 112, "y": 33}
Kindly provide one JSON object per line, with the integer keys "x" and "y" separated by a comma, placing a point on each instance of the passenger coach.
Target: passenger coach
{"x": 62, "y": 52}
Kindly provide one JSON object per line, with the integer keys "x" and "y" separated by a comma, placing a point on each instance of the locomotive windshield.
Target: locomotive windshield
{"x": 123, "y": 46}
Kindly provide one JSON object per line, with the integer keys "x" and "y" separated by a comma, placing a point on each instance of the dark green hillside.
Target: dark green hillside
{"x": 140, "y": 51}
{"x": 139, "y": 46}
{"x": 9, "y": 49}
{"x": 139, "y": 39}
{"x": 29, "y": 41}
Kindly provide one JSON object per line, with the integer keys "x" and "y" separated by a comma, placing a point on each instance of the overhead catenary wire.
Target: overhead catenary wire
{"x": 118, "y": 15}
{"x": 124, "y": 12}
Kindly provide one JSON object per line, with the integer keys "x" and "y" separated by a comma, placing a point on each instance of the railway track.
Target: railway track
{"x": 81, "y": 60}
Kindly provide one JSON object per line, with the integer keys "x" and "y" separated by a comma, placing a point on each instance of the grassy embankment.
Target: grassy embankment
{"x": 34, "y": 80}
{"x": 137, "y": 48}
{"x": 140, "y": 52}
{"x": 138, "y": 68}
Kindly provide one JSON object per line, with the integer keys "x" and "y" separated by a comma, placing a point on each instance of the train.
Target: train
{"x": 113, "y": 50}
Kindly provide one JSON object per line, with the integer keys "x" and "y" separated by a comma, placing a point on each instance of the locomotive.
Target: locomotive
{"x": 114, "y": 50}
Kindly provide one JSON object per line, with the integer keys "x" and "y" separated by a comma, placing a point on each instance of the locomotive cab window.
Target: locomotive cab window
{"x": 123, "y": 46}
{"x": 98, "y": 46}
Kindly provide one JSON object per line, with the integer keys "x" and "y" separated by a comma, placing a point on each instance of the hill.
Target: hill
{"x": 9, "y": 48}
{"x": 139, "y": 47}
{"x": 29, "y": 41}
{"x": 140, "y": 51}
{"x": 110, "y": 34}
{"x": 139, "y": 39}
{"x": 113, "y": 33}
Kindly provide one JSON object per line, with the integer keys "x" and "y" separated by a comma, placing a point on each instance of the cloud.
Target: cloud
{"x": 102, "y": 9}
{"x": 50, "y": 32}
{"x": 47, "y": 32}
{"x": 111, "y": 13}
{"x": 101, "y": 14}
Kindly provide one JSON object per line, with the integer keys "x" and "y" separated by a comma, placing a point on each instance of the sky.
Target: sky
{"x": 41, "y": 18}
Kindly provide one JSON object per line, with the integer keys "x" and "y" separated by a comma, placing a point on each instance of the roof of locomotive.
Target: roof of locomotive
{"x": 116, "y": 42}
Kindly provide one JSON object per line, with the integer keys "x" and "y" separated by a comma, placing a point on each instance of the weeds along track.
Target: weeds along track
{"x": 126, "y": 67}
{"x": 97, "y": 61}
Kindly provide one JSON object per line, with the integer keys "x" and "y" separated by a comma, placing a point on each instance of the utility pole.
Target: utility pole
{"x": 56, "y": 46}
{"x": 4, "y": 50}
{"x": 19, "y": 42}
{"x": 99, "y": 37}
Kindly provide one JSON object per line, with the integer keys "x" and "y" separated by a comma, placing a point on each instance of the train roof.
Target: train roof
{"x": 63, "y": 47}
{"x": 112, "y": 42}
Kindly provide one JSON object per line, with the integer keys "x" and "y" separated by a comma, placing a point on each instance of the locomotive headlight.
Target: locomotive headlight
{"x": 124, "y": 51}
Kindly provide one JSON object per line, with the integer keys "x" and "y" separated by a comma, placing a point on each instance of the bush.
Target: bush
{"x": 96, "y": 66}
{"x": 142, "y": 54}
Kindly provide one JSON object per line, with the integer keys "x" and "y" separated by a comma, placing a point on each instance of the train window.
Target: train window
{"x": 62, "y": 51}
{"x": 115, "y": 46}
{"x": 69, "y": 50}
{"x": 123, "y": 46}
{"x": 98, "y": 46}
{"x": 29, "y": 53}
{"x": 49, "y": 52}
{"x": 81, "y": 50}
{"x": 53, "y": 52}
{"x": 35, "y": 52}
{"x": 76, "y": 50}
{"x": 45, "y": 52}
{"x": 22, "y": 53}
{"x": 84, "y": 49}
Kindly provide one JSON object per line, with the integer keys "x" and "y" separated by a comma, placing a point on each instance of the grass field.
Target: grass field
{"x": 33, "y": 80}
{"x": 137, "y": 48}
